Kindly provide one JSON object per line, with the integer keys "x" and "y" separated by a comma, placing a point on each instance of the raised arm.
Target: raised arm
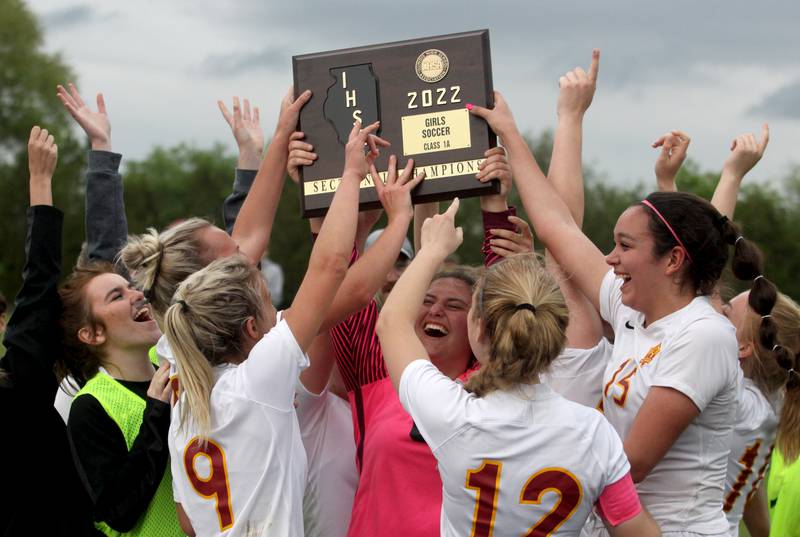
{"x": 364, "y": 278}
{"x": 330, "y": 256}
{"x": 30, "y": 344}
{"x": 575, "y": 95}
{"x": 395, "y": 327}
{"x": 746, "y": 151}
{"x": 321, "y": 358}
{"x": 550, "y": 216}
{"x": 674, "y": 146}
{"x": 576, "y": 92}
{"x": 254, "y": 224}
{"x": 249, "y": 136}
{"x": 105, "y": 220}
{"x": 368, "y": 273}
{"x": 301, "y": 153}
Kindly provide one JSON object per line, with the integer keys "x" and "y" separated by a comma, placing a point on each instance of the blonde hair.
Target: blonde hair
{"x": 525, "y": 318}
{"x": 776, "y": 344}
{"x": 204, "y": 327}
{"x": 159, "y": 262}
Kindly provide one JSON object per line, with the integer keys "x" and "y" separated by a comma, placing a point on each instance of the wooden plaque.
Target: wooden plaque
{"x": 419, "y": 90}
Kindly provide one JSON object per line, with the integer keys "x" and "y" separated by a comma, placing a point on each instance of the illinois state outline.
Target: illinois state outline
{"x": 355, "y": 81}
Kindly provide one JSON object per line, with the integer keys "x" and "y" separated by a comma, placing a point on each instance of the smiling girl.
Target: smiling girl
{"x": 673, "y": 380}
{"x": 237, "y": 455}
{"x": 506, "y": 445}
{"x": 399, "y": 491}
{"x": 769, "y": 342}
{"x": 118, "y": 421}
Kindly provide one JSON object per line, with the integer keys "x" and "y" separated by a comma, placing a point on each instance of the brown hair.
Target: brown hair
{"x": 706, "y": 235}
{"x": 79, "y": 360}
{"x": 465, "y": 273}
{"x": 789, "y": 428}
{"x": 159, "y": 262}
{"x": 204, "y": 327}
{"x": 776, "y": 344}
{"x": 525, "y": 318}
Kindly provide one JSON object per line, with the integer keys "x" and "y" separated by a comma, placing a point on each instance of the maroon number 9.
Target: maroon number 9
{"x": 215, "y": 485}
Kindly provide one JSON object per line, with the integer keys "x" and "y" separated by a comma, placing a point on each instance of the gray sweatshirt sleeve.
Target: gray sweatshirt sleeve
{"x": 233, "y": 203}
{"x": 106, "y": 223}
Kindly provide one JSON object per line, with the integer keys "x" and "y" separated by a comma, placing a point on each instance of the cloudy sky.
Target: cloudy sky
{"x": 714, "y": 69}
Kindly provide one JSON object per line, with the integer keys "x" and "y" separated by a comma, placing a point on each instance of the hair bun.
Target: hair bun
{"x": 142, "y": 257}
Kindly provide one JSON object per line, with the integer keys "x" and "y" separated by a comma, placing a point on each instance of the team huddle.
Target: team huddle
{"x": 401, "y": 394}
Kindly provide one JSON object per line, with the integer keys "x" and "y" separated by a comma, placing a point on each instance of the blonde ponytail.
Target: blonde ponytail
{"x": 777, "y": 354}
{"x": 774, "y": 366}
{"x": 525, "y": 318}
{"x": 789, "y": 427}
{"x": 158, "y": 263}
{"x": 205, "y": 327}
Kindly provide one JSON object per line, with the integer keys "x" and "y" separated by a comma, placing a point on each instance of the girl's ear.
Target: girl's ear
{"x": 677, "y": 258}
{"x": 92, "y": 336}
{"x": 250, "y": 328}
{"x": 745, "y": 350}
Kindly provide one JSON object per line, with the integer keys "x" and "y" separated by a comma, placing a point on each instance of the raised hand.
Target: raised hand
{"x": 746, "y": 151}
{"x": 356, "y": 160}
{"x": 300, "y": 154}
{"x": 42, "y": 158}
{"x": 245, "y": 125}
{"x": 95, "y": 124}
{"x": 495, "y": 166}
{"x": 507, "y": 242}
{"x": 395, "y": 194}
{"x": 577, "y": 89}
{"x": 499, "y": 118}
{"x": 440, "y": 237}
{"x": 290, "y": 113}
{"x": 674, "y": 146}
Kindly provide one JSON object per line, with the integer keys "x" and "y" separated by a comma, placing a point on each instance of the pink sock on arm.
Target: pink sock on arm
{"x": 619, "y": 502}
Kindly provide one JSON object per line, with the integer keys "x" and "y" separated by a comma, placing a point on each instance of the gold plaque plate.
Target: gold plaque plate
{"x": 438, "y": 131}
{"x": 445, "y": 170}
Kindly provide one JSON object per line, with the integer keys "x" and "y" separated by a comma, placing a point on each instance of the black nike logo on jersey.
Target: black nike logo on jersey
{"x": 628, "y": 325}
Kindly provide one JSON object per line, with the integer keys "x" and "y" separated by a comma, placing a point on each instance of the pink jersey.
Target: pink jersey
{"x": 399, "y": 490}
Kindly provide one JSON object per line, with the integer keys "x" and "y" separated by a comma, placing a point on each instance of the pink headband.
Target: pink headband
{"x": 669, "y": 227}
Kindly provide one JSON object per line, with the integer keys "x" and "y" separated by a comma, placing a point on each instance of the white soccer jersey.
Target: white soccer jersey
{"x": 249, "y": 478}
{"x": 326, "y": 426}
{"x": 164, "y": 352}
{"x": 693, "y": 351}
{"x": 753, "y": 437}
{"x": 513, "y": 460}
{"x": 577, "y": 374}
